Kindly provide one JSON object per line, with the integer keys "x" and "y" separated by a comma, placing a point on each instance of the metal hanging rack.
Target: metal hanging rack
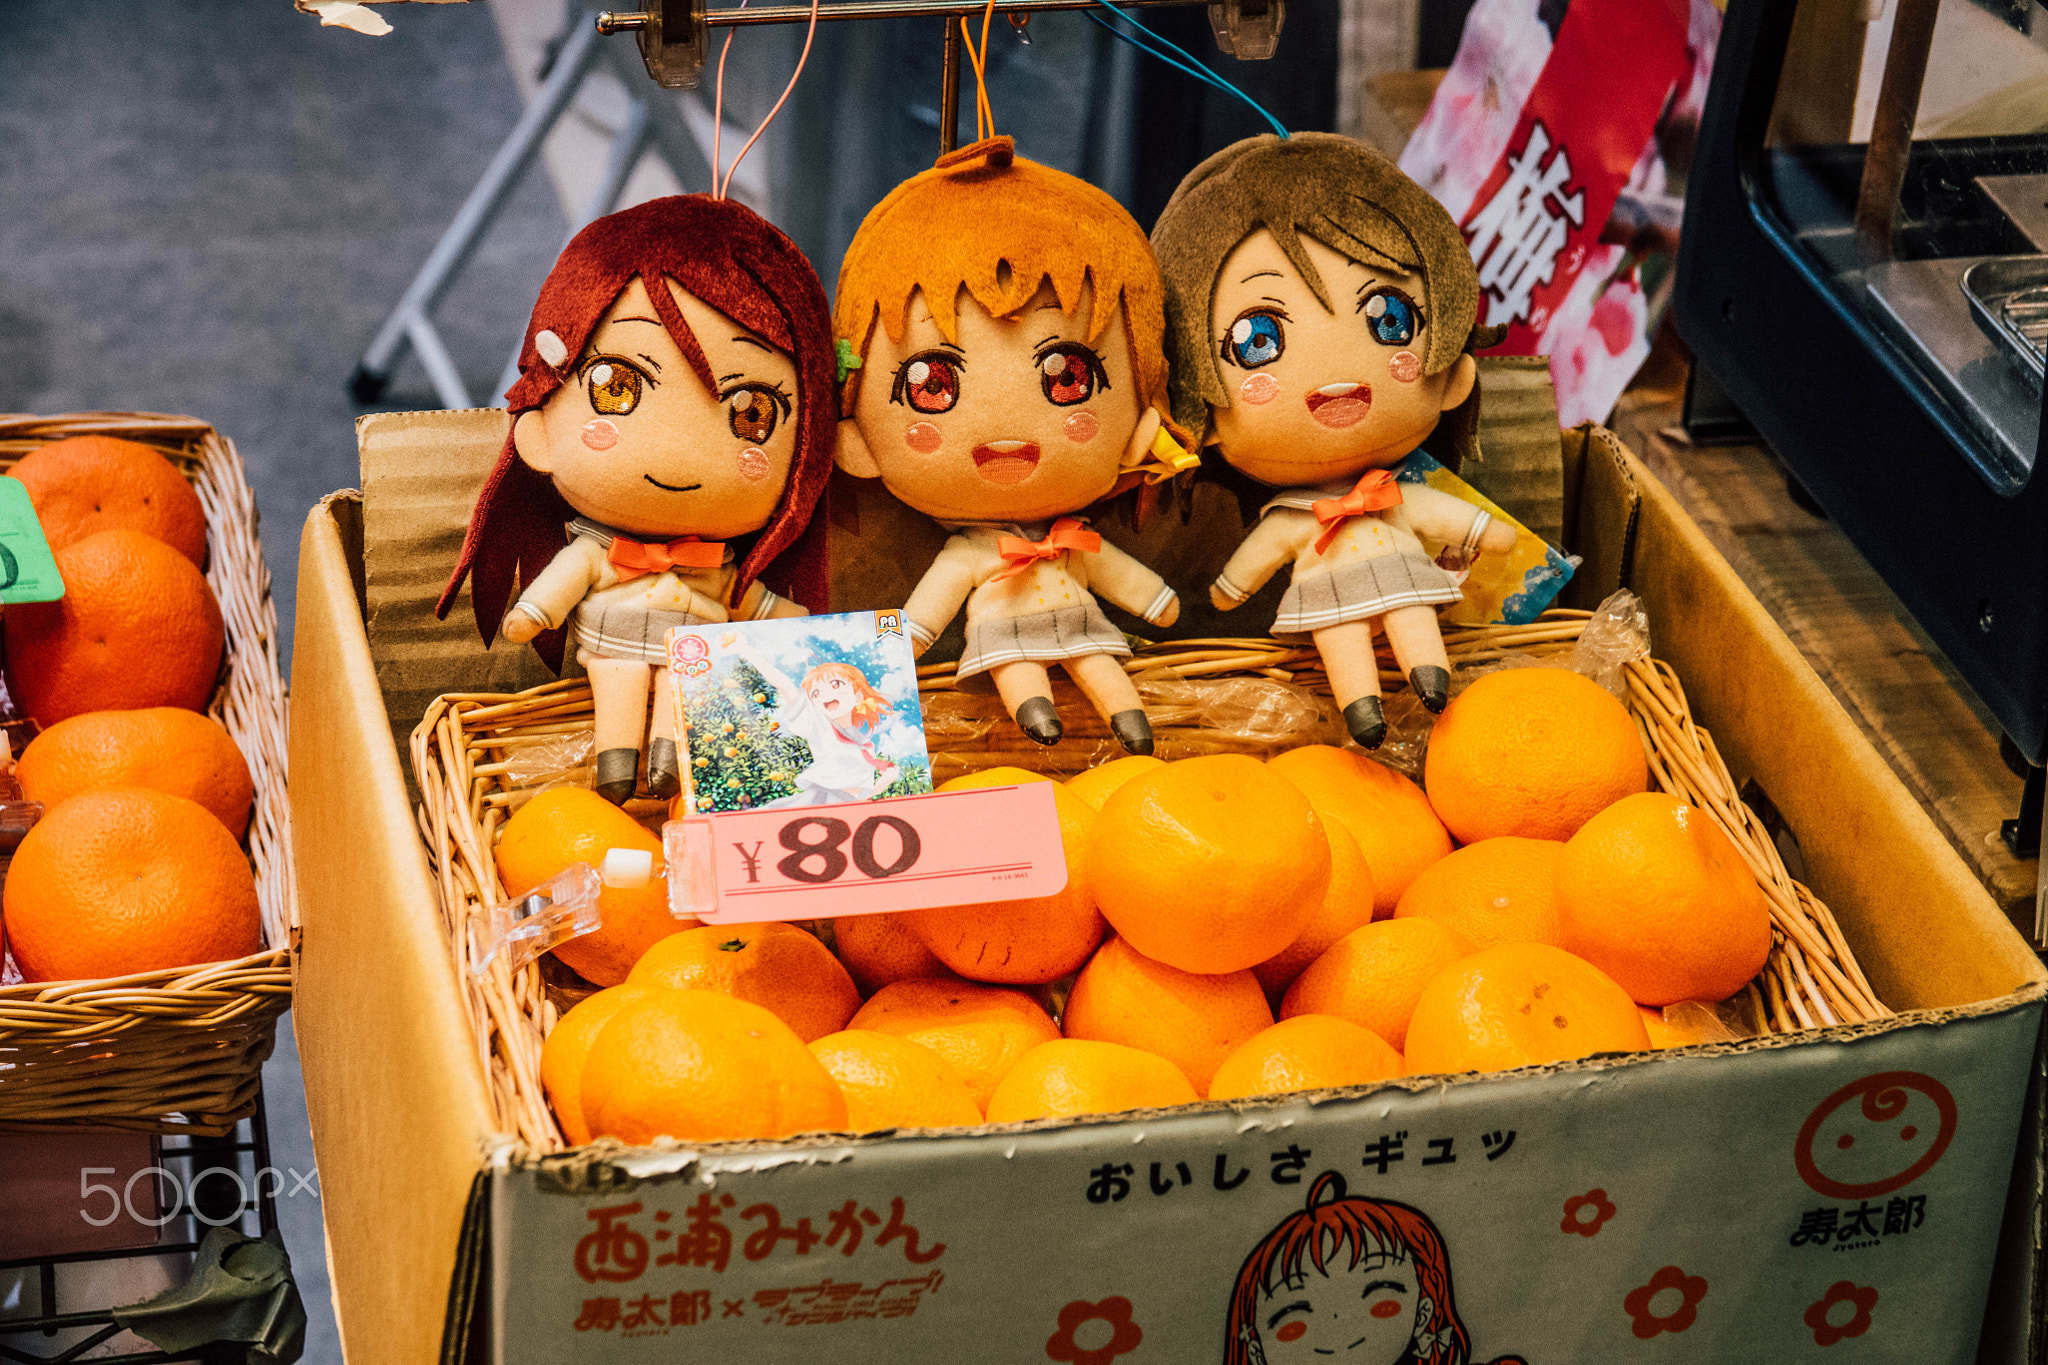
{"x": 674, "y": 37}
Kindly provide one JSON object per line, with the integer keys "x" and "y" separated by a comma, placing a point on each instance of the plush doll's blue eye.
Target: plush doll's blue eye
{"x": 1392, "y": 317}
{"x": 1255, "y": 340}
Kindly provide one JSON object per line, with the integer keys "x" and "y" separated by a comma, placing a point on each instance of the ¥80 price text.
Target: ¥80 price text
{"x": 822, "y": 847}
{"x": 101, "y": 1202}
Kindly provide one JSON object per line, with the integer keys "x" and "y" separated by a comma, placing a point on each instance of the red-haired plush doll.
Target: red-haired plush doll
{"x": 673, "y": 430}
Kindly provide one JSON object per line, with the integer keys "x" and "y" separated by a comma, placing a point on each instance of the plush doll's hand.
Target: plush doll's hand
{"x": 520, "y": 625}
{"x": 1169, "y": 613}
{"x": 1498, "y": 539}
{"x": 1221, "y": 598}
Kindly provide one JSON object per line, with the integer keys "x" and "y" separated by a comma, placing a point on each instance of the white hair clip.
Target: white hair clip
{"x": 551, "y": 349}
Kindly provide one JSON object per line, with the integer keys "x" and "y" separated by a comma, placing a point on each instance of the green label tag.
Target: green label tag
{"x": 27, "y": 572}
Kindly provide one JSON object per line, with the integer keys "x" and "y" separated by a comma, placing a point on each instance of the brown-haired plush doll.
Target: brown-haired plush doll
{"x": 1320, "y": 310}
{"x": 1004, "y": 320}
{"x": 675, "y": 412}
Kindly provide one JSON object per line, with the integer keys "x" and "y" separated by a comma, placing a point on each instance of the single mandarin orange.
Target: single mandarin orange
{"x": 1102, "y": 781}
{"x": 1071, "y": 1076}
{"x": 780, "y": 968}
{"x": 980, "y": 1030}
{"x": 1654, "y": 894}
{"x": 124, "y": 880}
{"x": 992, "y": 777}
{"x": 879, "y": 949}
{"x": 1534, "y": 752}
{"x": 164, "y": 748}
{"x": 1519, "y": 1004}
{"x": 704, "y": 1066}
{"x": 1499, "y": 890}
{"x": 82, "y": 485}
{"x": 568, "y": 1046}
{"x": 1193, "y": 1021}
{"x": 1023, "y": 942}
{"x": 1396, "y": 829}
{"x": 892, "y": 1082}
{"x": 1210, "y": 864}
{"x": 1347, "y": 904}
{"x": 1374, "y": 974}
{"x": 567, "y": 825}
{"x": 137, "y": 627}
{"x": 1307, "y": 1052}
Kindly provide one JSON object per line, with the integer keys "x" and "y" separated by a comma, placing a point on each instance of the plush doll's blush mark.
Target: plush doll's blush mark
{"x": 1259, "y": 388}
{"x": 1081, "y": 427}
{"x": 753, "y": 464}
{"x": 924, "y": 438}
{"x": 1404, "y": 367}
{"x": 600, "y": 433}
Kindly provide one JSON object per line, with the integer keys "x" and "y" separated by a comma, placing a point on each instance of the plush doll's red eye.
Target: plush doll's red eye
{"x": 1070, "y": 375}
{"x": 929, "y": 383}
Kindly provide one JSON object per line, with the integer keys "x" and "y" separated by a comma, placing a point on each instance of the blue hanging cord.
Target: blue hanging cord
{"x": 1166, "y": 51}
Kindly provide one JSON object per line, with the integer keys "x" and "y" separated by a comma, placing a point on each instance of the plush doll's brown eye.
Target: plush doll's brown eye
{"x": 1070, "y": 375}
{"x": 752, "y": 414}
{"x": 615, "y": 387}
{"x": 929, "y": 383}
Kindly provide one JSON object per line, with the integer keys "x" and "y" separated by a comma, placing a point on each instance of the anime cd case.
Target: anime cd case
{"x": 801, "y": 711}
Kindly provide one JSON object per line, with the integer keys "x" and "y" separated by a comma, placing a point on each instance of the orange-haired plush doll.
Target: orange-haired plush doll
{"x": 1002, "y": 325}
{"x": 673, "y": 426}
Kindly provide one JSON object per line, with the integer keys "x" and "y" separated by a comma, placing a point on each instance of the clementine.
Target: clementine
{"x": 780, "y": 968}
{"x": 1307, "y": 1052}
{"x": 1070, "y": 1076}
{"x": 567, "y": 1048}
{"x": 125, "y": 880}
{"x": 1374, "y": 974}
{"x": 566, "y": 825}
{"x": 1193, "y": 1021}
{"x": 1499, "y": 890}
{"x": 1535, "y": 752}
{"x": 980, "y": 1030}
{"x": 82, "y": 485}
{"x": 891, "y": 1082}
{"x": 1396, "y": 829}
{"x": 164, "y": 748}
{"x": 1654, "y": 894}
{"x": 1099, "y": 783}
{"x": 879, "y": 949}
{"x": 703, "y": 1066}
{"x": 137, "y": 627}
{"x": 1347, "y": 904}
{"x": 1210, "y": 864}
{"x": 992, "y": 777}
{"x": 1519, "y": 1004}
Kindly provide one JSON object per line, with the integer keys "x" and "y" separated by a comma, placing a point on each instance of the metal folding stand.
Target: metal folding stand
{"x": 673, "y": 36}
{"x": 218, "y": 1183}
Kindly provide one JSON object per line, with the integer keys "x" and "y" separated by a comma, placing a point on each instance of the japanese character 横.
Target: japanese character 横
{"x": 1385, "y": 1151}
{"x": 1517, "y": 235}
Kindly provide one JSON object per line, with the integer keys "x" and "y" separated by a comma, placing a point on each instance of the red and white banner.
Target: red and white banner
{"x": 1541, "y": 125}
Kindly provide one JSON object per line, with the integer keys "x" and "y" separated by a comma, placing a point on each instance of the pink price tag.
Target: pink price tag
{"x": 866, "y": 857}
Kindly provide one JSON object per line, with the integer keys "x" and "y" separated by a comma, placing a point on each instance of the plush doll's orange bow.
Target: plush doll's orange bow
{"x": 1068, "y": 533}
{"x": 1375, "y": 491}
{"x": 633, "y": 559}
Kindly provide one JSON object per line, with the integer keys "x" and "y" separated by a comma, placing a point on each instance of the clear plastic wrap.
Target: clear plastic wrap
{"x": 553, "y": 761}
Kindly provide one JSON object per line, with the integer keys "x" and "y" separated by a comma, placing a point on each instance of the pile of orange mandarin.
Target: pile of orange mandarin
{"x": 1229, "y": 928}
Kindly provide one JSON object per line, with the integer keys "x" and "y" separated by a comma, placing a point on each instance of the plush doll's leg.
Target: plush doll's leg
{"x": 1027, "y": 692}
{"x": 618, "y": 693}
{"x": 1355, "y": 678}
{"x": 1102, "y": 678}
{"x": 664, "y": 775}
{"x": 1419, "y": 648}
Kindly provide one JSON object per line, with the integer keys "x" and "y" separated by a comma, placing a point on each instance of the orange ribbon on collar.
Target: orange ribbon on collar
{"x": 634, "y": 559}
{"x": 1068, "y": 533}
{"x": 1376, "y": 491}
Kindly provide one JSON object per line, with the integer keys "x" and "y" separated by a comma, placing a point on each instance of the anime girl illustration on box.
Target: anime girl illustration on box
{"x": 1367, "y": 1281}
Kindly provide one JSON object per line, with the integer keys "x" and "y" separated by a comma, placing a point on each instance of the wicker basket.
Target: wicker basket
{"x": 477, "y": 758}
{"x": 174, "y": 1051}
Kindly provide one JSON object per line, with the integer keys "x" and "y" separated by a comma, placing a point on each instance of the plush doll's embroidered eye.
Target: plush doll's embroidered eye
{"x": 929, "y": 383}
{"x": 1070, "y": 374}
{"x": 1255, "y": 339}
{"x": 615, "y": 387}
{"x": 1392, "y": 315}
{"x": 752, "y": 413}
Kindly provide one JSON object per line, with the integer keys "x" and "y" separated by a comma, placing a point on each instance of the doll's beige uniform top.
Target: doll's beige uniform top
{"x": 966, "y": 570}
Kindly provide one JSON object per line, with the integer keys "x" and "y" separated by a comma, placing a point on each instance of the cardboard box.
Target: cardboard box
{"x": 1764, "y": 1201}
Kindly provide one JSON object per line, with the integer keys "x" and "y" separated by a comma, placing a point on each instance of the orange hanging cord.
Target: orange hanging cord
{"x": 984, "y": 116}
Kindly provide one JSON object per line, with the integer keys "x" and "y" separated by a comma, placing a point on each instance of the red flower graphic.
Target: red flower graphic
{"x": 1575, "y": 1213}
{"x": 1691, "y": 1289}
{"x": 1124, "y": 1335}
{"x": 1826, "y": 1333}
